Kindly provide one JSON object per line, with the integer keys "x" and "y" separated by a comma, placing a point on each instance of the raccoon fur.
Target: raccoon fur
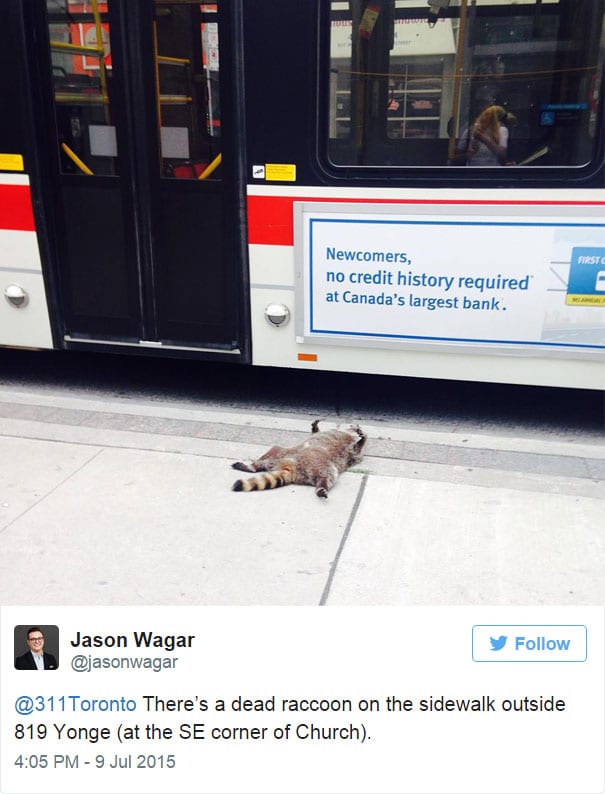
{"x": 316, "y": 461}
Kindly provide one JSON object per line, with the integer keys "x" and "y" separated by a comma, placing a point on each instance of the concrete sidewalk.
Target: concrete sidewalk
{"x": 128, "y": 502}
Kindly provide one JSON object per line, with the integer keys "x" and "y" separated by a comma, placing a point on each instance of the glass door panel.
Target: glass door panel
{"x": 80, "y": 46}
{"x": 186, "y": 50}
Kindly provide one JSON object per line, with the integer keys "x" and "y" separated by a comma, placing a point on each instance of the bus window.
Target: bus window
{"x": 406, "y": 91}
{"x": 80, "y": 51}
{"x": 187, "y": 88}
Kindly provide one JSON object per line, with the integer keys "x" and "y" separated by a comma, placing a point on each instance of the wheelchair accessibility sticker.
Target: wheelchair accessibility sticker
{"x": 586, "y": 285}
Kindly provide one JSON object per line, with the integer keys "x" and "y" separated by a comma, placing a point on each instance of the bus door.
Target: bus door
{"x": 142, "y": 134}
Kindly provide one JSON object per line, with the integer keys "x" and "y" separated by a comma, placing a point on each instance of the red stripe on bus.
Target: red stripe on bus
{"x": 16, "y": 212}
{"x": 270, "y": 218}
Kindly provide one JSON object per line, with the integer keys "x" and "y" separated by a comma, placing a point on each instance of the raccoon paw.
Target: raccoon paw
{"x": 241, "y": 466}
{"x": 322, "y": 492}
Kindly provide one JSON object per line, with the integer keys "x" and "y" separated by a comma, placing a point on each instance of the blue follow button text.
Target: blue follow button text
{"x": 530, "y": 643}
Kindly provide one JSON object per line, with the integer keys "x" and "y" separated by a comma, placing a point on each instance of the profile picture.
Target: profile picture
{"x": 36, "y": 647}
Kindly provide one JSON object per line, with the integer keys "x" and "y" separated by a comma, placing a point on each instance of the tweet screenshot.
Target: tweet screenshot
{"x": 245, "y": 700}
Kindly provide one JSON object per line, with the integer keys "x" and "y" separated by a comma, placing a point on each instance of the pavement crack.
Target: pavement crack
{"x": 51, "y": 491}
{"x": 345, "y": 535}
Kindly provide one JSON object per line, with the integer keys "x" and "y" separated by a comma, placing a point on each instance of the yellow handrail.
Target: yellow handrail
{"x": 101, "y": 50}
{"x": 165, "y": 59}
{"x": 75, "y": 159}
{"x": 175, "y": 99}
{"x": 79, "y": 48}
{"x": 458, "y": 78}
{"x": 156, "y": 68}
{"x": 80, "y": 99}
{"x": 212, "y": 167}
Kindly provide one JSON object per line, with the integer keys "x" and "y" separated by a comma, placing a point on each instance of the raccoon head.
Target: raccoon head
{"x": 359, "y": 437}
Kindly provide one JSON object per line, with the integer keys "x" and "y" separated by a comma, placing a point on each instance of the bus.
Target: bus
{"x": 393, "y": 187}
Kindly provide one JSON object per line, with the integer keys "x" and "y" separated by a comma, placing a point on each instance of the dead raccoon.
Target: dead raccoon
{"x": 316, "y": 461}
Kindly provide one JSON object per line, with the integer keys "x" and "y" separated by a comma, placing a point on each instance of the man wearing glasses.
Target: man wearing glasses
{"x": 35, "y": 658}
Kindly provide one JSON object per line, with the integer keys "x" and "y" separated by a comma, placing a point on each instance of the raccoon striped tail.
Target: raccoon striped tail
{"x": 263, "y": 482}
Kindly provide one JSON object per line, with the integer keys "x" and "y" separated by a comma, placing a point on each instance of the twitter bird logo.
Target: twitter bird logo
{"x": 498, "y": 644}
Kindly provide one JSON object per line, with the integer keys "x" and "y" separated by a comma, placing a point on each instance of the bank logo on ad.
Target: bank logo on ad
{"x": 586, "y": 285}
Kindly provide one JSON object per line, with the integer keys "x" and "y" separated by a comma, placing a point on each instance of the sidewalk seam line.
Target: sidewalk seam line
{"x": 585, "y": 459}
{"x": 172, "y": 414}
{"x": 441, "y": 466}
{"x": 345, "y": 535}
{"x": 52, "y": 491}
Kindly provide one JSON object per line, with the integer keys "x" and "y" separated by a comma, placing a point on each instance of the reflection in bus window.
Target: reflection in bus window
{"x": 81, "y": 66}
{"x": 187, "y": 88}
{"x": 404, "y": 92}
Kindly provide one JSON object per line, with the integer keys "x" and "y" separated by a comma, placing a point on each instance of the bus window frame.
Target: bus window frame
{"x": 589, "y": 174}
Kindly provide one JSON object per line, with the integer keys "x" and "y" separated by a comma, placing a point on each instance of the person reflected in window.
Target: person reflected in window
{"x": 488, "y": 143}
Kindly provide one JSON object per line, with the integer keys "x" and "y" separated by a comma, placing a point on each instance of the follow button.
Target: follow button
{"x": 530, "y": 643}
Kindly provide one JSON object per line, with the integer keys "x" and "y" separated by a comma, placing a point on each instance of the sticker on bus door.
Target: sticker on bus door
{"x": 11, "y": 162}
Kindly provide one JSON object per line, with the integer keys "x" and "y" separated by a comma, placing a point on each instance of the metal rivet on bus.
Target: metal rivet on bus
{"x": 16, "y": 296}
{"x": 277, "y": 314}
